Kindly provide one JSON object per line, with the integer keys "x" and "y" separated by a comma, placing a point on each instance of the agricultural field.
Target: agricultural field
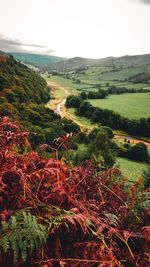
{"x": 71, "y": 86}
{"x": 131, "y": 169}
{"x": 103, "y": 76}
{"x": 107, "y": 76}
{"x": 133, "y": 106}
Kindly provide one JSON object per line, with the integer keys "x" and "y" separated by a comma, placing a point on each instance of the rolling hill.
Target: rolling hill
{"x": 79, "y": 62}
{"x": 36, "y": 59}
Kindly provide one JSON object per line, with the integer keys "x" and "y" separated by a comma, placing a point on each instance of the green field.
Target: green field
{"x": 133, "y": 106}
{"x": 131, "y": 169}
{"x": 103, "y": 75}
{"x": 69, "y": 84}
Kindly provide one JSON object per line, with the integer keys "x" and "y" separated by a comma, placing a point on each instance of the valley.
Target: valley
{"x": 75, "y": 133}
{"x": 132, "y": 105}
{"x": 59, "y": 155}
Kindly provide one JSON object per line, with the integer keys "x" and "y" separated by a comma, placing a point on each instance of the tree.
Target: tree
{"x": 83, "y": 95}
{"x": 139, "y": 152}
{"x": 103, "y": 146}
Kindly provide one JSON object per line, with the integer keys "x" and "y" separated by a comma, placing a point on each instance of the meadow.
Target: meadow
{"x": 107, "y": 76}
{"x": 133, "y": 106}
{"x": 71, "y": 86}
{"x": 131, "y": 169}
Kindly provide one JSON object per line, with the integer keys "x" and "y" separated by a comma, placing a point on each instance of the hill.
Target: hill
{"x": 79, "y": 62}
{"x": 36, "y": 59}
{"x": 2, "y": 53}
{"x": 23, "y": 94}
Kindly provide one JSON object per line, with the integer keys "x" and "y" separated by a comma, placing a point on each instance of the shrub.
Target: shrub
{"x": 85, "y": 217}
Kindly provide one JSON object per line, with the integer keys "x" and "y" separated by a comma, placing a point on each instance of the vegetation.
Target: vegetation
{"x": 131, "y": 169}
{"x": 62, "y": 201}
{"x": 132, "y": 106}
{"x": 105, "y": 76}
{"x": 23, "y": 94}
{"x": 138, "y": 152}
{"x": 146, "y": 176}
{"x": 99, "y": 147}
{"x": 109, "y": 118}
{"x": 36, "y": 60}
{"x": 66, "y": 216}
{"x": 81, "y": 64}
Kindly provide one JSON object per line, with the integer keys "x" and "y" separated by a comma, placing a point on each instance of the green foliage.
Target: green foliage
{"x": 110, "y": 118}
{"x": 73, "y": 101}
{"x": 37, "y": 60}
{"x": 22, "y": 235}
{"x": 15, "y": 75}
{"x": 101, "y": 94}
{"x": 131, "y": 169}
{"x": 139, "y": 152}
{"x": 23, "y": 94}
{"x": 146, "y": 177}
{"x": 101, "y": 148}
{"x": 104, "y": 147}
{"x": 133, "y": 106}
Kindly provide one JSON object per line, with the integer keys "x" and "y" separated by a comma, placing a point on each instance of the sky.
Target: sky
{"x": 70, "y": 28}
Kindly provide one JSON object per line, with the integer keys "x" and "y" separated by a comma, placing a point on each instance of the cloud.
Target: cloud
{"x": 143, "y": 1}
{"x": 12, "y": 45}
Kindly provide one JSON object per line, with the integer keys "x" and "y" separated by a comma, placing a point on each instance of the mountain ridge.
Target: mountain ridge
{"x": 47, "y": 62}
{"x": 78, "y": 62}
{"x": 36, "y": 59}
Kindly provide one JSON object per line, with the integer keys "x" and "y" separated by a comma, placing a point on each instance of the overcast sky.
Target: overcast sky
{"x": 68, "y": 28}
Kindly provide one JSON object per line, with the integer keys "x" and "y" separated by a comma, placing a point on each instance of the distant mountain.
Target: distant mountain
{"x": 133, "y": 60}
{"x": 36, "y": 59}
{"x": 79, "y": 62}
{"x": 73, "y": 63}
{"x": 2, "y": 52}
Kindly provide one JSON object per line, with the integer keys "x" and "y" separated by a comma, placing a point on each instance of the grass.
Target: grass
{"x": 133, "y": 106}
{"x": 128, "y": 105}
{"x": 123, "y": 73}
{"x": 84, "y": 123}
{"x": 102, "y": 75}
{"x": 72, "y": 87}
{"x": 131, "y": 169}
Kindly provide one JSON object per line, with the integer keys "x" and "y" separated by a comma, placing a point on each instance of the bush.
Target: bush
{"x": 85, "y": 217}
{"x": 146, "y": 176}
{"x": 139, "y": 152}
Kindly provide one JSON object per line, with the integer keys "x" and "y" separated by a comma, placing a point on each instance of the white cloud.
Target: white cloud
{"x": 12, "y": 45}
{"x": 88, "y": 28}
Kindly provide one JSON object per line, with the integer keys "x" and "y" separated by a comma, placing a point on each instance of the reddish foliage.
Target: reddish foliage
{"x": 3, "y": 58}
{"x": 94, "y": 238}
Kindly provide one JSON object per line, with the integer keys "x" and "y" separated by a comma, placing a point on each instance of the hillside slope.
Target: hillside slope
{"x": 36, "y": 59}
{"x": 79, "y": 62}
{"x": 23, "y": 94}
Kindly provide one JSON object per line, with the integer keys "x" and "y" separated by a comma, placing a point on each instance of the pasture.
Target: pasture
{"x": 108, "y": 75}
{"x": 131, "y": 169}
{"x": 132, "y": 106}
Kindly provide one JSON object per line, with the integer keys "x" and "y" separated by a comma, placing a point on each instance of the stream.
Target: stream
{"x": 58, "y": 109}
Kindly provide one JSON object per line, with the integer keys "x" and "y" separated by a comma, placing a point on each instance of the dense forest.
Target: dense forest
{"x": 23, "y": 94}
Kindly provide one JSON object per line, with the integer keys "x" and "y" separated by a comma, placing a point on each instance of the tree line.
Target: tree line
{"x": 108, "y": 117}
